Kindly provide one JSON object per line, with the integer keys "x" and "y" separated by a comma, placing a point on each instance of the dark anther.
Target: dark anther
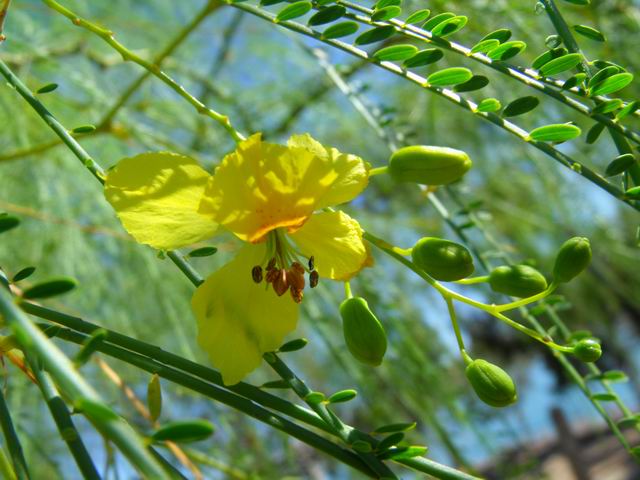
{"x": 256, "y": 273}
{"x": 314, "y": 278}
{"x": 311, "y": 263}
{"x": 272, "y": 264}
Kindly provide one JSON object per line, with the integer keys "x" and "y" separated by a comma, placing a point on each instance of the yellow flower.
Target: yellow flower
{"x": 276, "y": 199}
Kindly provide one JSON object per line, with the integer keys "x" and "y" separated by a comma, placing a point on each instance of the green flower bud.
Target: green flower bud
{"x": 492, "y": 384}
{"x": 573, "y": 258}
{"x": 428, "y": 165}
{"x": 517, "y": 280}
{"x": 587, "y": 350}
{"x": 442, "y": 259}
{"x": 363, "y": 333}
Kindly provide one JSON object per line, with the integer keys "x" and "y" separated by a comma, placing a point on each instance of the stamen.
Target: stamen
{"x": 272, "y": 275}
{"x": 285, "y": 269}
{"x": 314, "y": 278}
{"x": 272, "y": 264}
{"x": 281, "y": 284}
{"x": 256, "y": 273}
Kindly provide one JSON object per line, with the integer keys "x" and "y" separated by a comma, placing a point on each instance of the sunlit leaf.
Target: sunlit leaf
{"x": 437, "y": 20}
{"x": 386, "y": 13}
{"x": 489, "y": 105}
{"x": 396, "y": 53}
{"x": 589, "y": 32}
{"x": 555, "y": 133}
{"x": 418, "y": 16}
{"x": 507, "y": 50}
{"x": 561, "y": 64}
{"x": 339, "y": 30}
{"x": 612, "y": 84}
{"x": 449, "y": 76}
{"x": 295, "y": 10}
{"x": 449, "y": 26}
{"x": 502, "y": 35}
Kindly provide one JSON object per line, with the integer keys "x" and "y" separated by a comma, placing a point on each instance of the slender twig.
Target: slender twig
{"x": 38, "y": 347}
{"x": 11, "y": 437}
{"x": 67, "y": 429}
{"x": 154, "y": 69}
{"x": 210, "y": 7}
{"x": 570, "y": 42}
{"x": 529, "y": 77}
{"x": 452, "y": 97}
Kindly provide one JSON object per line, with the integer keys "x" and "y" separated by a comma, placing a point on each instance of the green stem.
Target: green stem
{"x": 454, "y": 323}
{"x": 548, "y": 86}
{"x": 445, "y": 292}
{"x": 38, "y": 347}
{"x": 570, "y": 42}
{"x": 11, "y": 437}
{"x": 344, "y": 432}
{"x": 454, "y": 98}
{"x": 378, "y": 171}
{"x": 209, "y": 8}
{"x": 154, "y": 69}
{"x": 67, "y": 429}
{"x": 347, "y": 290}
{"x": 223, "y": 396}
{"x": 50, "y": 120}
{"x": 6, "y": 469}
{"x": 526, "y": 301}
{"x": 192, "y": 368}
{"x": 473, "y": 280}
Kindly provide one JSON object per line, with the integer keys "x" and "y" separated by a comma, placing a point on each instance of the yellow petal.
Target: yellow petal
{"x": 156, "y": 196}
{"x": 262, "y": 186}
{"x": 239, "y": 320}
{"x": 349, "y": 177}
{"x": 335, "y": 241}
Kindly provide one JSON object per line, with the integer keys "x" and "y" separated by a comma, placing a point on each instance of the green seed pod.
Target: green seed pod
{"x": 492, "y": 384}
{"x": 572, "y": 259}
{"x": 587, "y": 350}
{"x": 428, "y": 165}
{"x": 517, "y": 280}
{"x": 363, "y": 333}
{"x": 442, "y": 259}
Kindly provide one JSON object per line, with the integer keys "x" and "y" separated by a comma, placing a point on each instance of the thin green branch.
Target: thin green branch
{"x": 572, "y": 45}
{"x": 529, "y": 77}
{"x": 11, "y": 437}
{"x": 210, "y": 7}
{"x": 151, "y": 67}
{"x": 38, "y": 347}
{"x": 454, "y": 98}
{"x": 67, "y": 429}
{"x": 225, "y": 397}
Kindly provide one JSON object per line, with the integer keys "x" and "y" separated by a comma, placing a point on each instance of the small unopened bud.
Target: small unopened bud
{"x": 587, "y": 350}
{"x": 517, "y": 280}
{"x": 491, "y": 383}
{"x": 428, "y": 165}
{"x": 442, "y": 259}
{"x": 572, "y": 259}
{"x": 363, "y": 333}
